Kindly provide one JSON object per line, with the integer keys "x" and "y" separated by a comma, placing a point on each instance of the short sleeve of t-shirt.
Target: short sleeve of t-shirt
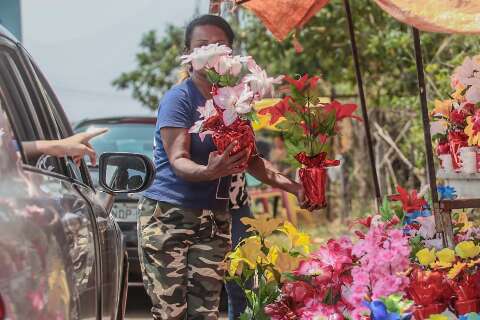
{"x": 175, "y": 110}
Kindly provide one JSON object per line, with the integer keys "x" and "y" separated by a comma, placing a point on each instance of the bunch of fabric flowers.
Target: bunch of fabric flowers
{"x": 237, "y": 83}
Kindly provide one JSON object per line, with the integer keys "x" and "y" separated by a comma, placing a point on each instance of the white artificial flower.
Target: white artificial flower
{"x": 206, "y": 56}
{"x": 258, "y": 80}
{"x": 436, "y": 243}
{"x": 208, "y": 110}
{"x": 438, "y": 127}
{"x": 229, "y": 65}
{"x": 234, "y": 100}
{"x": 427, "y": 227}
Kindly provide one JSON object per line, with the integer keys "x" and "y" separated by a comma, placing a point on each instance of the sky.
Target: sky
{"x": 81, "y": 46}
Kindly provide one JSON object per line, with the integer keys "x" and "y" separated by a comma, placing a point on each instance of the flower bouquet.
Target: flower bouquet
{"x": 308, "y": 126}
{"x": 237, "y": 83}
{"x": 274, "y": 250}
{"x": 456, "y": 121}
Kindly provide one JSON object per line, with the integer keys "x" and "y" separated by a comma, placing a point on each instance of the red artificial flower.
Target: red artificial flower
{"x": 476, "y": 122}
{"x": 443, "y": 148}
{"x": 410, "y": 202}
{"x": 342, "y": 111}
{"x": 278, "y": 110}
{"x": 299, "y": 291}
{"x": 468, "y": 108}
{"x": 281, "y": 310}
{"x": 367, "y": 222}
{"x": 303, "y": 82}
{"x": 458, "y": 117}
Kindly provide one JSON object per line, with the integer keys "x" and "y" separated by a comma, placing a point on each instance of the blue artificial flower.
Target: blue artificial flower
{"x": 446, "y": 192}
{"x": 379, "y": 311}
{"x": 410, "y": 217}
{"x": 470, "y": 316}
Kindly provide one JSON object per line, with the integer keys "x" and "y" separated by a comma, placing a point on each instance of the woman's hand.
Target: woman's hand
{"x": 302, "y": 199}
{"x": 222, "y": 164}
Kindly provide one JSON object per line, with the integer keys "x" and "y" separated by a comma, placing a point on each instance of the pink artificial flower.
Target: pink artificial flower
{"x": 206, "y": 56}
{"x": 234, "y": 101}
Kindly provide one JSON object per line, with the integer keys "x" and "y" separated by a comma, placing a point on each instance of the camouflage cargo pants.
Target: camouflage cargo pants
{"x": 181, "y": 254}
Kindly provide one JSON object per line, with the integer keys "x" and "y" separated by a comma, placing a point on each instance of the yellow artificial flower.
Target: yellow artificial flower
{"x": 467, "y": 250}
{"x": 264, "y": 226}
{"x": 286, "y": 263}
{"x": 473, "y": 263}
{"x": 445, "y": 258}
{"x": 249, "y": 251}
{"x": 473, "y": 139}
{"x": 458, "y": 94}
{"x": 297, "y": 239}
{"x": 437, "y": 317}
{"x": 426, "y": 256}
{"x": 463, "y": 219}
{"x": 456, "y": 269}
{"x": 442, "y": 108}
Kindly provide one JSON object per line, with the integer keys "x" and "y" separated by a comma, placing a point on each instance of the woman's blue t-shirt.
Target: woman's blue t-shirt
{"x": 178, "y": 109}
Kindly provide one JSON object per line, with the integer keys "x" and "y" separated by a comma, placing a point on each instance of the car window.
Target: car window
{"x": 52, "y": 105}
{"x": 19, "y": 105}
{"x": 123, "y": 137}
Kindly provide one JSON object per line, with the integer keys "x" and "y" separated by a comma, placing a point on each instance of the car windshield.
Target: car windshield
{"x": 123, "y": 137}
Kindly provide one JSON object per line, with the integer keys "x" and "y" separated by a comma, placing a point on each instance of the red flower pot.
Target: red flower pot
{"x": 314, "y": 181}
{"x": 240, "y": 132}
{"x": 424, "y": 312}
{"x": 466, "y": 293}
{"x": 430, "y": 292}
{"x": 464, "y": 307}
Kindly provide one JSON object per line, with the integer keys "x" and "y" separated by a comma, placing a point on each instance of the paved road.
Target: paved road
{"x": 138, "y": 305}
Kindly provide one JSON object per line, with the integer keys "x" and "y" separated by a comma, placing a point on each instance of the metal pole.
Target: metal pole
{"x": 363, "y": 102}
{"x": 440, "y": 223}
{"x": 425, "y": 117}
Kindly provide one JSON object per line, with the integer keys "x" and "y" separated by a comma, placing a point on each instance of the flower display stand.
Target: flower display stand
{"x": 467, "y": 186}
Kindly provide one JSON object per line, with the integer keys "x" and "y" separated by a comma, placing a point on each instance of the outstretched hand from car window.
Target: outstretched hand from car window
{"x": 76, "y": 146}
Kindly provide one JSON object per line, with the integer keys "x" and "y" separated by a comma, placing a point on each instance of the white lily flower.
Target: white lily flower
{"x": 206, "y": 56}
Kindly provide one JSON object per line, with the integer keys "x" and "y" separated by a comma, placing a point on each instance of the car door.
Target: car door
{"x": 111, "y": 247}
{"x": 62, "y": 229}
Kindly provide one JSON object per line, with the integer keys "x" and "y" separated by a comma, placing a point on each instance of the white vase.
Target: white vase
{"x": 446, "y": 162}
{"x": 468, "y": 156}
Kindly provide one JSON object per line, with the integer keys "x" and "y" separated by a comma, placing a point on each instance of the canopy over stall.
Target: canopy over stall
{"x": 446, "y": 16}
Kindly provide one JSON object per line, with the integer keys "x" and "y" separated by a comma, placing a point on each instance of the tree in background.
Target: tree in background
{"x": 388, "y": 66}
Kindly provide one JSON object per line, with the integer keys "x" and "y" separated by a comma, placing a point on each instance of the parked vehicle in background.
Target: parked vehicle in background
{"x": 62, "y": 255}
{"x": 126, "y": 134}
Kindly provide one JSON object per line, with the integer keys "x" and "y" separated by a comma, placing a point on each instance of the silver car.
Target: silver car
{"x": 62, "y": 255}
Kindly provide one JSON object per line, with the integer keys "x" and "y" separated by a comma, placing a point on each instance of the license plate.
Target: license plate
{"x": 125, "y": 211}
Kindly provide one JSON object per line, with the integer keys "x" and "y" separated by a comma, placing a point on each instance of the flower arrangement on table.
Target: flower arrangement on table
{"x": 309, "y": 126}
{"x": 456, "y": 121}
{"x": 237, "y": 83}
{"x": 395, "y": 267}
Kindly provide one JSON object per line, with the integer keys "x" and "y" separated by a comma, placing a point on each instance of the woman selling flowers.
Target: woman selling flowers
{"x": 184, "y": 224}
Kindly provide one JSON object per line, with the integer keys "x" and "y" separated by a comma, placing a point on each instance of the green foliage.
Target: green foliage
{"x": 157, "y": 67}
{"x": 387, "y": 63}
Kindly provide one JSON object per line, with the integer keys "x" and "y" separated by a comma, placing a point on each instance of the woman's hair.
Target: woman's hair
{"x": 208, "y": 20}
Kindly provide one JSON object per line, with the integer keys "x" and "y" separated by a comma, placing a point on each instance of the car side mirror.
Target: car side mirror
{"x": 121, "y": 172}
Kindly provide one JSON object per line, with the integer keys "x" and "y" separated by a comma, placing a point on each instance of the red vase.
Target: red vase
{"x": 430, "y": 292}
{"x": 244, "y": 136}
{"x": 466, "y": 293}
{"x": 424, "y": 312}
{"x": 314, "y": 181}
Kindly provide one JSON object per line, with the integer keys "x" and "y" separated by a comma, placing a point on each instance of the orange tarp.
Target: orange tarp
{"x": 446, "y": 16}
{"x": 283, "y": 16}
